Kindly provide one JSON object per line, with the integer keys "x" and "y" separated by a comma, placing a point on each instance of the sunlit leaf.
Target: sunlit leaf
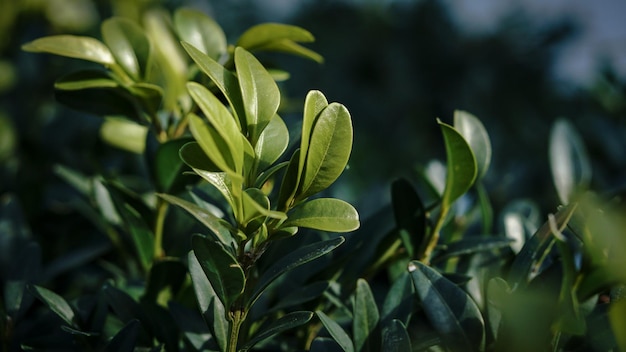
{"x": 284, "y": 323}
{"x": 201, "y": 31}
{"x": 272, "y": 143}
{"x": 124, "y": 134}
{"x": 262, "y": 34}
{"x": 215, "y": 147}
{"x": 129, "y": 45}
{"x": 77, "y": 47}
{"x": 366, "y": 318}
{"x": 461, "y": 165}
{"x": 338, "y": 334}
{"x": 291, "y": 47}
{"x": 326, "y": 214}
{"x": 476, "y": 136}
{"x": 314, "y": 103}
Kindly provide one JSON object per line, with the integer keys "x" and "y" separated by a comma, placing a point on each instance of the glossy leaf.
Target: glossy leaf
{"x": 169, "y": 167}
{"x": 326, "y": 214}
{"x": 85, "y": 79}
{"x": 314, "y": 103}
{"x": 366, "y": 317}
{"x": 256, "y": 204}
{"x": 223, "y": 183}
{"x": 200, "y": 31}
{"x": 219, "y": 228}
{"x": 126, "y": 339}
{"x": 77, "y": 47}
{"x": 395, "y": 337}
{"x": 259, "y": 92}
{"x": 221, "y": 268}
{"x": 278, "y": 37}
{"x": 124, "y": 134}
{"x": 272, "y": 144}
{"x": 129, "y": 45}
{"x": 449, "y": 309}
{"x": 471, "y": 245}
{"x": 192, "y": 154}
{"x": 461, "y": 165}
{"x": 338, "y": 334}
{"x": 56, "y": 303}
{"x": 569, "y": 163}
{"x": 215, "y": 147}
{"x": 284, "y": 323}
{"x": 291, "y": 261}
{"x": 409, "y": 214}
{"x": 329, "y": 150}
{"x": 225, "y": 80}
{"x": 325, "y": 344}
{"x": 476, "y": 136}
{"x": 210, "y": 305}
{"x": 398, "y": 303}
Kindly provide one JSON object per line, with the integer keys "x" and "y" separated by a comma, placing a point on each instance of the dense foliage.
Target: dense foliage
{"x": 217, "y": 231}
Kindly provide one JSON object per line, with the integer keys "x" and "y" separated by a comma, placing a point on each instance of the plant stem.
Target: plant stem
{"x": 424, "y": 257}
{"x": 158, "y": 228}
{"x": 237, "y": 318}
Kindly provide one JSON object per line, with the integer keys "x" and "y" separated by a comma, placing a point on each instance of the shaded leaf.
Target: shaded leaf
{"x": 126, "y": 339}
{"x": 461, "y": 167}
{"x": 325, "y": 344}
{"x": 77, "y": 47}
{"x": 86, "y": 79}
{"x": 476, "y": 136}
{"x": 398, "y": 303}
{"x": 409, "y": 214}
{"x": 284, "y": 323}
{"x": 192, "y": 154}
{"x": 302, "y": 295}
{"x": 449, "y": 309}
{"x": 497, "y": 290}
{"x": 216, "y": 147}
{"x": 470, "y": 245}
{"x": 141, "y": 234}
{"x": 129, "y": 45}
{"x": 56, "y": 303}
{"x": 201, "y": 31}
{"x": 100, "y": 101}
{"x": 338, "y": 334}
{"x": 395, "y": 337}
{"x": 169, "y": 167}
{"x": 366, "y": 317}
{"x": 326, "y": 214}
{"x": 289, "y": 182}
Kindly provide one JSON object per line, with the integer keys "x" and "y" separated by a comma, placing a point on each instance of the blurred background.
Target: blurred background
{"x": 396, "y": 64}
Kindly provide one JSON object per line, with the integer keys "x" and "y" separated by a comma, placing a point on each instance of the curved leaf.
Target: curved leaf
{"x": 329, "y": 150}
{"x": 366, "y": 317}
{"x": 291, "y": 261}
{"x": 272, "y": 144}
{"x": 326, "y": 214}
{"x": 125, "y": 339}
{"x": 141, "y": 234}
{"x": 395, "y": 337}
{"x": 56, "y": 303}
{"x": 129, "y": 45}
{"x": 569, "y": 163}
{"x": 86, "y": 79}
{"x": 398, "y": 303}
{"x": 201, "y": 31}
{"x": 291, "y": 47}
{"x": 259, "y": 92}
{"x": 314, "y": 103}
{"x": 461, "y": 167}
{"x": 215, "y": 147}
{"x": 169, "y": 167}
{"x": 124, "y": 134}
{"x": 449, "y": 309}
{"x": 284, "y": 323}
{"x": 102, "y": 101}
{"x": 302, "y": 295}
{"x": 470, "y": 245}
{"x": 221, "y": 268}
{"x": 338, "y": 334}
{"x": 256, "y": 203}
{"x": 262, "y": 34}
{"x": 77, "y": 47}
{"x": 476, "y": 136}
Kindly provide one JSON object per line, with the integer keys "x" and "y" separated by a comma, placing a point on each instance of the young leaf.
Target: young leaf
{"x": 396, "y": 338}
{"x": 336, "y": 332}
{"x": 449, "y": 309}
{"x": 124, "y": 134}
{"x": 271, "y": 145}
{"x": 329, "y": 150}
{"x": 284, "y": 323}
{"x": 314, "y": 103}
{"x": 221, "y": 268}
{"x": 291, "y": 261}
{"x": 193, "y": 155}
{"x": 215, "y": 147}
{"x": 278, "y": 37}
{"x": 476, "y": 136}
{"x": 326, "y": 214}
{"x": 569, "y": 162}
{"x": 56, "y": 303}
{"x": 256, "y": 204}
{"x": 77, "y": 47}
{"x": 129, "y": 45}
{"x": 126, "y": 339}
{"x": 200, "y": 31}
{"x": 366, "y": 317}
{"x": 259, "y": 92}
{"x": 461, "y": 168}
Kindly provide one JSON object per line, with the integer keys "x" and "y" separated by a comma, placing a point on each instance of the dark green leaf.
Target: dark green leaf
{"x": 366, "y": 318}
{"x": 56, "y": 304}
{"x": 100, "y": 101}
{"x": 142, "y": 235}
{"x": 221, "y": 268}
{"x": 289, "y": 183}
{"x": 129, "y": 45}
{"x": 169, "y": 167}
{"x": 149, "y": 96}
{"x": 338, "y": 334}
{"x": 326, "y": 214}
{"x": 77, "y": 47}
{"x": 291, "y": 261}
{"x": 86, "y": 79}
{"x": 449, "y": 309}
{"x": 398, "y": 303}
{"x": 497, "y": 290}
{"x": 193, "y": 155}
{"x": 461, "y": 168}
{"x": 302, "y": 295}
{"x": 476, "y": 136}
{"x": 284, "y": 323}
{"x": 409, "y": 213}
{"x": 395, "y": 337}
{"x": 325, "y": 344}
{"x": 126, "y": 339}
{"x": 200, "y": 31}
{"x": 468, "y": 246}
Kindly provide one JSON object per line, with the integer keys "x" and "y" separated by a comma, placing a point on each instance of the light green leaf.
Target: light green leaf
{"x": 461, "y": 165}
{"x": 150, "y": 96}
{"x": 259, "y": 92}
{"x": 193, "y": 155}
{"x": 569, "y": 163}
{"x": 366, "y": 317}
{"x": 221, "y": 268}
{"x": 338, "y": 334}
{"x": 201, "y": 31}
{"x": 395, "y": 337}
{"x": 225, "y": 81}
{"x": 476, "y": 136}
{"x": 272, "y": 144}
{"x": 56, "y": 303}
{"x": 257, "y": 205}
{"x": 220, "y": 229}
{"x": 129, "y": 45}
{"x": 449, "y": 309}
{"x": 85, "y": 79}
{"x": 314, "y": 103}
{"x": 284, "y": 323}
{"x": 262, "y": 34}
{"x": 124, "y": 134}
{"x": 222, "y": 121}
{"x": 77, "y": 47}
{"x": 291, "y": 47}
{"x": 215, "y": 147}
{"x": 291, "y": 261}
{"x": 329, "y": 150}
{"x": 326, "y": 214}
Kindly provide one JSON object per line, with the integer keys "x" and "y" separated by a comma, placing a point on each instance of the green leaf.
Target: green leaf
{"x": 193, "y": 155}
{"x": 169, "y": 167}
{"x": 471, "y": 245}
{"x": 302, "y": 295}
{"x": 461, "y": 167}
{"x": 219, "y": 228}
{"x": 149, "y": 96}
{"x": 223, "y": 122}
{"x": 476, "y": 136}
{"x": 291, "y": 47}
{"x": 259, "y": 92}
{"x": 497, "y": 292}
{"x": 409, "y": 213}
{"x": 126, "y": 339}
{"x": 289, "y": 183}
{"x": 314, "y": 103}
{"x": 395, "y": 337}
{"x": 86, "y": 79}
{"x": 569, "y": 163}
{"x": 284, "y": 323}
{"x": 124, "y": 134}
{"x": 291, "y": 261}
{"x": 329, "y": 150}
{"x": 256, "y": 204}
{"x": 210, "y": 305}
{"x": 223, "y": 183}
{"x": 278, "y": 37}
{"x": 77, "y": 47}
{"x": 618, "y": 324}
{"x": 366, "y": 317}
{"x": 398, "y": 303}
{"x": 225, "y": 80}
{"x": 326, "y": 214}
{"x": 325, "y": 344}
{"x": 215, "y": 147}
{"x": 338, "y": 334}
{"x": 100, "y": 101}
{"x": 271, "y": 145}
{"x": 201, "y": 31}
{"x": 221, "y": 268}
{"x": 56, "y": 304}
{"x": 449, "y": 309}
{"x": 129, "y": 45}
{"x": 140, "y": 232}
